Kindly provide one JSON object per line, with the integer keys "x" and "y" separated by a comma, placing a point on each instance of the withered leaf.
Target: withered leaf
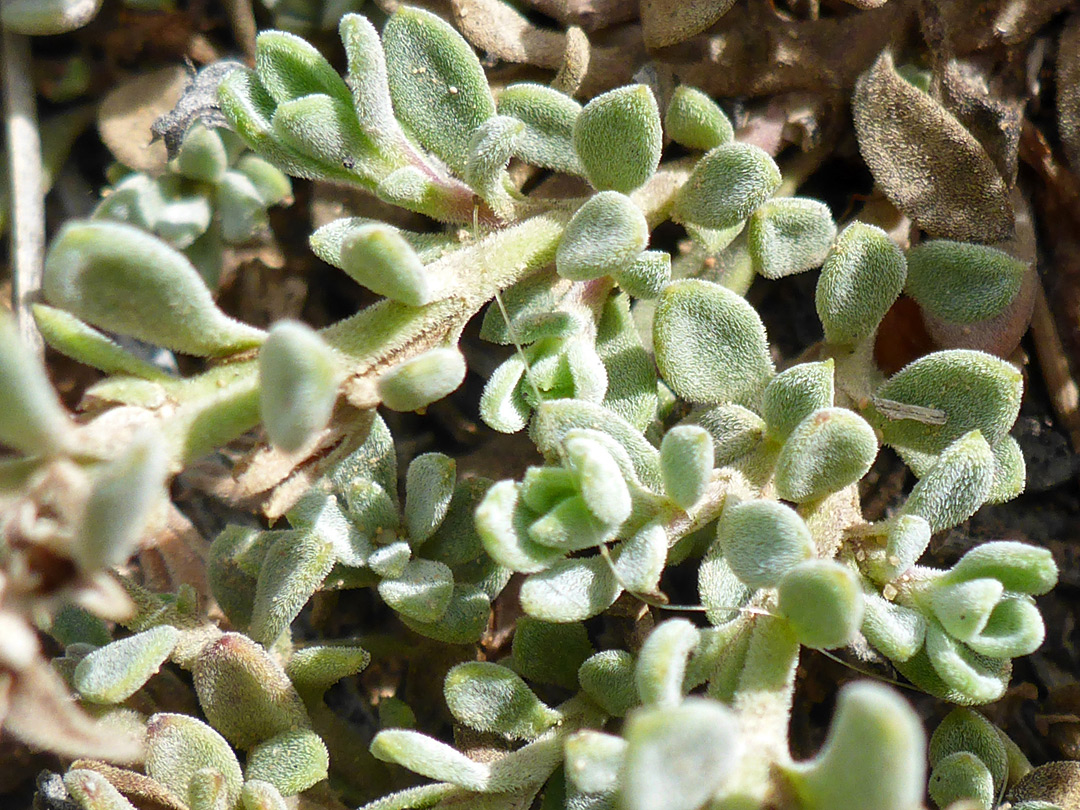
{"x": 501, "y": 31}
{"x": 666, "y": 22}
{"x": 591, "y": 15}
{"x": 198, "y": 103}
{"x": 963, "y": 26}
{"x": 1068, "y": 90}
{"x": 927, "y": 163}
{"x": 575, "y": 62}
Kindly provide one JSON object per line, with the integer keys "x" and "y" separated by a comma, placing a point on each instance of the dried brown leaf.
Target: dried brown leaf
{"x": 140, "y": 789}
{"x": 1068, "y": 90}
{"x": 963, "y": 26}
{"x": 128, "y": 112}
{"x": 500, "y": 30}
{"x": 666, "y": 22}
{"x": 591, "y": 15}
{"x": 575, "y": 62}
{"x": 927, "y": 163}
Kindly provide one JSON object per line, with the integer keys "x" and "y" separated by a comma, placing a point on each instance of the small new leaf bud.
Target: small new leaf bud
{"x": 548, "y": 115}
{"x": 418, "y": 382}
{"x": 727, "y": 185}
{"x": 202, "y": 155}
{"x": 608, "y": 678}
{"x": 422, "y": 592}
{"x": 542, "y": 488}
{"x": 178, "y": 747}
{"x": 794, "y": 394}
{"x": 686, "y": 460}
{"x": 599, "y": 479}
{"x": 618, "y": 138}
{"x": 439, "y": 90}
{"x": 789, "y": 235}
{"x": 695, "y": 121}
{"x": 962, "y": 776}
{"x": 661, "y": 664}
{"x": 292, "y": 761}
{"x": 862, "y": 276}
{"x": 827, "y": 451}
{"x": 678, "y": 756}
{"x": 488, "y": 697}
{"x": 823, "y": 602}
{"x": 710, "y": 344}
{"x": 966, "y": 730}
{"x": 298, "y": 384}
{"x": 570, "y": 590}
{"x": 605, "y": 234}
{"x": 115, "y": 672}
{"x": 762, "y": 541}
{"x": 962, "y": 283}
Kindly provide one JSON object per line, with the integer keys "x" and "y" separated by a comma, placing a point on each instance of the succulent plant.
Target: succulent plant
{"x": 666, "y": 433}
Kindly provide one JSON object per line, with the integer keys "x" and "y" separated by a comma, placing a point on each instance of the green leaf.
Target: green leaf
{"x": 118, "y": 508}
{"x": 906, "y": 540}
{"x": 686, "y": 460}
{"x": 240, "y": 208}
{"x": 762, "y": 541}
{"x": 646, "y": 275}
{"x": 570, "y": 590}
{"x": 823, "y": 603}
{"x": 631, "y": 391}
{"x": 963, "y": 608}
{"x": 605, "y": 234}
{"x": 488, "y": 697}
{"x": 550, "y": 653}
{"x": 298, "y": 384}
{"x": 47, "y": 17}
{"x": 1010, "y": 472}
{"x": 258, "y": 795}
{"x": 827, "y": 451}
{"x": 315, "y": 669}
{"x": 978, "y": 678}
{"x": 92, "y": 791}
{"x": 245, "y": 693}
{"x": 976, "y": 391}
{"x": 429, "y": 757}
{"x": 642, "y": 557}
{"x": 962, "y": 283}
{"x": 1015, "y": 627}
{"x": 794, "y": 394}
{"x": 273, "y": 185}
{"x": 608, "y": 678}
{"x": 366, "y": 77}
{"x": 456, "y": 540}
{"x": 31, "y": 417}
{"x": 957, "y": 485}
{"x": 289, "y": 68}
{"x": 726, "y": 186}
{"x": 122, "y": 279}
{"x": 115, "y": 672}
{"x": 429, "y": 487}
{"x": 422, "y": 592}
{"x": 491, "y": 146}
{"x": 80, "y": 341}
{"x": 594, "y": 760}
{"x": 661, "y": 664}
{"x": 1020, "y": 567}
{"x": 735, "y": 431}
{"x": 695, "y": 120}
{"x": 548, "y": 115}
{"x": 618, "y": 138}
{"x": 292, "y": 761}
{"x": 178, "y": 746}
{"x": 389, "y": 561}
{"x": 464, "y": 620}
{"x": 208, "y": 791}
{"x": 966, "y": 730}
{"x": 962, "y": 776}
{"x": 202, "y": 155}
{"x": 722, "y": 593}
{"x": 421, "y": 380}
{"x": 599, "y": 479}
{"x": 293, "y": 570}
{"x": 503, "y": 522}
{"x": 437, "y": 85}
{"x": 862, "y": 276}
{"x": 873, "y": 757}
{"x": 895, "y": 630}
{"x": 677, "y": 757}
{"x": 710, "y": 344}
{"x": 321, "y": 513}
{"x": 789, "y": 235}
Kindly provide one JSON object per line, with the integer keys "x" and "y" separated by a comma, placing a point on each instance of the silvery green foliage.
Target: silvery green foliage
{"x": 700, "y": 453}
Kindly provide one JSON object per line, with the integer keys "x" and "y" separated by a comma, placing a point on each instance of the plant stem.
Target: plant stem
{"x": 27, "y": 184}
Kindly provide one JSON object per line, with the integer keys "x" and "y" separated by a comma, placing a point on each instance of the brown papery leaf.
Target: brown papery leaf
{"x": 665, "y": 22}
{"x": 927, "y": 163}
{"x": 500, "y": 30}
{"x": 591, "y": 15}
{"x": 145, "y": 792}
{"x": 1068, "y": 90}
{"x": 963, "y": 26}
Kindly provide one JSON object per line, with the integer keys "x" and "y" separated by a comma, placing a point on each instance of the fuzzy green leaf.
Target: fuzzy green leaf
{"x": 827, "y": 451}
{"x": 873, "y": 757}
{"x": 789, "y": 235}
{"x": 389, "y": 561}
{"x": 117, "y": 671}
{"x": 895, "y": 630}
{"x": 366, "y": 77}
{"x": 661, "y": 664}
{"x": 722, "y": 593}
{"x": 429, "y": 757}
{"x": 593, "y": 761}
{"x": 646, "y": 275}
{"x": 258, "y": 795}
{"x": 1010, "y": 472}
{"x": 609, "y": 678}
{"x": 240, "y": 208}
{"x": 202, "y": 155}
{"x": 968, "y": 731}
{"x": 641, "y": 559}
{"x": 492, "y": 698}
{"x": 618, "y": 138}
{"x": 686, "y": 459}
{"x": 491, "y": 146}
{"x": 178, "y": 746}
{"x": 978, "y": 678}
{"x": 727, "y": 185}
{"x": 550, "y": 653}
{"x": 862, "y": 276}
{"x": 548, "y": 115}
{"x": 794, "y": 394}
{"x": 298, "y": 384}
{"x": 80, "y": 341}
{"x": 960, "y": 282}
{"x": 710, "y": 344}
{"x": 321, "y": 513}
{"x": 272, "y": 185}
{"x": 695, "y": 121}
{"x": 429, "y": 486}
{"x": 963, "y": 608}
{"x": 422, "y": 592}
{"x": 678, "y": 756}
{"x": 464, "y": 620}
{"x": 47, "y": 17}
{"x": 289, "y": 68}
{"x": 631, "y": 391}
{"x": 599, "y": 478}
{"x": 456, "y": 540}
{"x": 208, "y": 791}
{"x": 570, "y": 590}
{"x": 962, "y": 776}
{"x": 292, "y": 761}
{"x": 315, "y": 669}
{"x": 1014, "y": 628}
{"x": 1019, "y": 567}
{"x": 762, "y": 541}
{"x": 906, "y": 540}
{"x": 957, "y": 485}
{"x": 503, "y": 522}
{"x": 244, "y": 692}
{"x": 294, "y": 568}
{"x": 438, "y": 87}
{"x": 92, "y": 791}
{"x": 735, "y": 431}
{"x": 823, "y": 602}
{"x": 421, "y": 380}
{"x": 606, "y": 233}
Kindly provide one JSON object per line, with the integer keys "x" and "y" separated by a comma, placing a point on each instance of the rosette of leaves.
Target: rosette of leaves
{"x": 213, "y": 194}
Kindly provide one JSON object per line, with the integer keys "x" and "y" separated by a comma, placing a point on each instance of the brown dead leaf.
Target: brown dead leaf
{"x": 500, "y": 30}
{"x": 1068, "y": 90}
{"x": 575, "y": 62}
{"x": 128, "y": 112}
{"x": 666, "y": 22}
{"x": 591, "y": 15}
{"x": 928, "y": 164}
{"x": 960, "y": 27}
{"x": 144, "y": 792}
